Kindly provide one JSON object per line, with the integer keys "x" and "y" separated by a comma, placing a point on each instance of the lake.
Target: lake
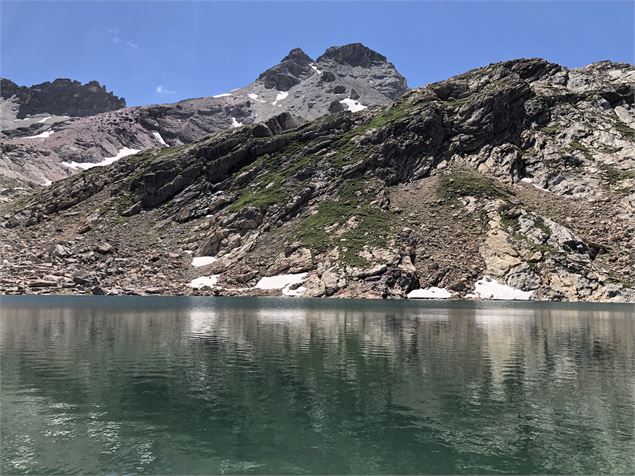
{"x": 287, "y": 386}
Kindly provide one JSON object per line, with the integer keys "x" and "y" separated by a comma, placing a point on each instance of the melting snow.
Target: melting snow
{"x": 353, "y": 105}
{"x": 202, "y": 261}
{"x": 530, "y": 181}
{"x": 284, "y": 282}
{"x": 315, "y": 68}
{"x": 235, "y": 123}
{"x": 222, "y": 95}
{"x": 255, "y": 97}
{"x": 107, "y": 161}
{"x": 280, "y": 97}
{"x": 489, "y": 288}
{"x": 157, "y": 135}
{"x": 42, "y": 121}
{"x": 430, "y": 293}
{"x": 204, "y": 281}
{"x": 43, "y": 135}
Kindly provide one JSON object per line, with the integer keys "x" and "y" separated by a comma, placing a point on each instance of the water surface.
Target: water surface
{"x": 241, "y": 385}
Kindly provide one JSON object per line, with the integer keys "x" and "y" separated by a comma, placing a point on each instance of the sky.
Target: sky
{"x": 161, "y": 51}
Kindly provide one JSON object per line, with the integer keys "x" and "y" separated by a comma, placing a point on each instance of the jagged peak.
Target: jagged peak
{"x": 298, "y": 55}
{"x": 353, "y": 54}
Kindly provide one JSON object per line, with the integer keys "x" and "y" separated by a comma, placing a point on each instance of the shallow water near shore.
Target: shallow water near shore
{"x": 169, "y": 385}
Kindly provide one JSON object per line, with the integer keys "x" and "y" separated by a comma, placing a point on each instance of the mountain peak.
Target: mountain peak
{"x": 353, "y": 54}
{"x": 288, "y": 72}
{"x": 297, "y": 55}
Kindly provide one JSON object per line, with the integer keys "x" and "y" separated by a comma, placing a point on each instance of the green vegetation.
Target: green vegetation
{"x": 614, "y": 175}
{"x": 540, "y": 224}
{"x": 624, "y": 129}
{"x": 575, "y": 145}
{"x": 457, "y": 183}
{"x": 372, "y": 228}
{"x": 273, "y": 185}
{"x": 124, "y": 201}
{"x": 398, "y": 110}
{"x": 509, "y": 218}
{"x": 552, "y": 130}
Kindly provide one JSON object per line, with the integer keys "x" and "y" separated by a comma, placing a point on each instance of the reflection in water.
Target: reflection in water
{"x": 199, "y": 385}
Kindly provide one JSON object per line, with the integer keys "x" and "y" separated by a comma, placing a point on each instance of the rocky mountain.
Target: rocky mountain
{"x": 515, "y": 180}
{"x": 350, "y": 77}
{"x": 62, "y": 97}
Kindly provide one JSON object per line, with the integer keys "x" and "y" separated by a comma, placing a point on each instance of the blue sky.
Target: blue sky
{"x": 159, "y": 51}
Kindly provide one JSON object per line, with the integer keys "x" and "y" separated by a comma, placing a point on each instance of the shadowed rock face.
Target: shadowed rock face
{"x": 292, "y": 69}
{"x": 62, "y": 97}
{"x": 515, "y": 178}
{"x": 354, "y": 54}
{"x": 35, "y": 151}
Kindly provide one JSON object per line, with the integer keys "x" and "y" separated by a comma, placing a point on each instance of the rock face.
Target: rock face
{"x": 515, "y": 180}
{"x": 354, "y": 77}
{"x": 62, "y": 97}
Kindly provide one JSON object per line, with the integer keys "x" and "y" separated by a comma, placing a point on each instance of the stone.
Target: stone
{"x": 104, "y": 248}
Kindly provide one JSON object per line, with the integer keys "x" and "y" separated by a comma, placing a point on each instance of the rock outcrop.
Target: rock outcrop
{"x": 515, "y": 181}
{"x": 61, "y": 97}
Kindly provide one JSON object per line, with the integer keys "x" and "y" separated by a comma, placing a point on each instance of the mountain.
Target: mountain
{"x": 515, "y": 180}
{"x": 62, "y": 97}
{"x": 350, "y": 77}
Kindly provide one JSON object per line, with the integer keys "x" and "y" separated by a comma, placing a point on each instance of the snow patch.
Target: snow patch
{"x": 222, "y": 95}
{"x": 255, "y": 97}
{"x": 125, "y": 152}
{"x": 280, "y": 97}
{"x": 531, "y": 182}
{"x": 203, "y": 260}
{"x": 42, "y": 121}
{"x": 157, "y": 135}
{"x": 430, "y": 293}
{"x": 204, "y": 281}
{"x": 283, "y": 282}
{"x": 46, "y": 182}
{"x": 43, "y": 135}
{"x": 235, "y": 123}
{"x": 315, "y": 68}
{"x": 352, "y": 105}
{"x": 489, "y": 288}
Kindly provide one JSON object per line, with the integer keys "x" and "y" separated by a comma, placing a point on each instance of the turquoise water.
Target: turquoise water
{"x": 237, "y": 385}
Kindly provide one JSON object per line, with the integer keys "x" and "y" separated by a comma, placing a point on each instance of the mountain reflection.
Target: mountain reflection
{"x": 274, "y": 386}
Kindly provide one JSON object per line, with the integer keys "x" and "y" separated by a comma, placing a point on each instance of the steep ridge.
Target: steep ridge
{"x": 350, "y": 77}
{"x": 511, "y": 181}
{"x": 61, "y": 97}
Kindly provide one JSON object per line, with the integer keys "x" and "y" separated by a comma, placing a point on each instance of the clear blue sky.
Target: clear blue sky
{"x": 158, "y": 51}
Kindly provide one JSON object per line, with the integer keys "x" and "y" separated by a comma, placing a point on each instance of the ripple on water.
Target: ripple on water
{"x": 275, "y": 386}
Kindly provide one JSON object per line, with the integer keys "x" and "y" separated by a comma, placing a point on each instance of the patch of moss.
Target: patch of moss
{"x": 541, "y": 225}
{"x": 273, "y": 185}
{"x": 373, "y": 225}
{"x": 458, "y": 183}
{"x": 551, "y": 130}
{"x": 614, "y": 175}
{"x": 124, "y": 201}
{"x": 575, "y": 145}
{"x": 624, "y": 129}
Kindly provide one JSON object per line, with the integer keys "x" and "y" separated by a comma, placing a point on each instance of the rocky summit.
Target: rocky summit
{"x": 512, "y": 181}
{"x": 39, "y": 149}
